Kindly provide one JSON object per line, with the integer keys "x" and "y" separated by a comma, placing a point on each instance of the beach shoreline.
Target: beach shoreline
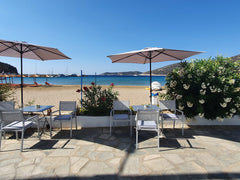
{"x": 51, "y": 95}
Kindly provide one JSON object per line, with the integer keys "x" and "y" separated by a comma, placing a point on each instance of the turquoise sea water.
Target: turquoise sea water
{"x": 100, "y": 80}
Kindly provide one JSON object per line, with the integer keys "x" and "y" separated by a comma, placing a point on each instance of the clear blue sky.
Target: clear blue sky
{"x": 89, "y": 30}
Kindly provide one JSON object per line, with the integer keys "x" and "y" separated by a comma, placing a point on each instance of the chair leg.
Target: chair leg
{"x": 22, "y": 139}
{"x": 71, "y": 129}
{"x": 162, "y": 125}
{"x": 158, "y": 139}
{"x": 173, "y": 124}
{"x": 136, "y": 138}
{"x": 61, "y": 124}
{"x": 76, "y": 122}
{"x": 182, "y": 127}
{"x": 0, "y": 138}
{"x": 16, "y": 135}
{"x": 38, "y": 128}
{"x": 50, "y": 126}
{"x": 110, "y": 123}
{"x": 130, "y": 128}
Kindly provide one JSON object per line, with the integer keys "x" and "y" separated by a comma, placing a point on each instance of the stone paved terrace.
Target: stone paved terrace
{"x": 203, "y": 153}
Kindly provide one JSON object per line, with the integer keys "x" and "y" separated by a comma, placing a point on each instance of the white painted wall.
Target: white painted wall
{"x": 103, "y": 121}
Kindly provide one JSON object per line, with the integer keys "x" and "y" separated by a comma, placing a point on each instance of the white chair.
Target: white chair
{"x": 70, "y": 107}
{"x": 147, "y": 120}
{"x": 170, "y": 105}
{"x": 15, "y": 121}
{"x": 7, "y": 105}
{"x": 121, "y": 113}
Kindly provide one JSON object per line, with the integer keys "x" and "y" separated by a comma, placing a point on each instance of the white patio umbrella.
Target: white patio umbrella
{"x": 28, "y": 51}
{"x": 151, "y": 55}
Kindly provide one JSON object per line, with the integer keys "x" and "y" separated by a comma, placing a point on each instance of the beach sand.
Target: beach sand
{"x": 44, "y": 95}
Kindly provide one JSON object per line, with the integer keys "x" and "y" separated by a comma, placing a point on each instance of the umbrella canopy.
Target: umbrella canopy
{"x": 28, "y": 51}
{"x": 150, "y": 55}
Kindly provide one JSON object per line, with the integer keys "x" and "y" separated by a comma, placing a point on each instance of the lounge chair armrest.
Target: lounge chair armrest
{"x": 55, "y": 111}
{"x": 73, "y": 113}
{"x": 33, "y": 118}
{"x": 130, "y": 111}
{"x": 179, "y": 111}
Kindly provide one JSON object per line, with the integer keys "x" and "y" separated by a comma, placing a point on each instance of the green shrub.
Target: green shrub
{"x": 206, "y": 87}
{"x": 6, "y": 92}
{"x": 97, "y": 101}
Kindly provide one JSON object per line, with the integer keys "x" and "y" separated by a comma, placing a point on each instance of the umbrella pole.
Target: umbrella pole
{"x": 150, "y": 59}
{"x": 81, "y": 87}
{"x": 21, "y": 77}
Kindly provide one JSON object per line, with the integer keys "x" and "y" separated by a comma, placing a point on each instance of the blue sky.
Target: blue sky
{"x": 89, "y": 30}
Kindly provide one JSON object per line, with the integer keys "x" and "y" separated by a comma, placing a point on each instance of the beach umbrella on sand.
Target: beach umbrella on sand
{"x": 151, "y": 55}
{"x": 29, "y": 51}
{"x": 34, "y": 76}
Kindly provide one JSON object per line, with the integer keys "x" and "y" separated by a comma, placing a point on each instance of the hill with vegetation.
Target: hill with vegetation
{"x": 7, "y": 68}
{"x": 236, "y": 58}
{"x": 164, "y": 70}
{"x": 128, "y": 73}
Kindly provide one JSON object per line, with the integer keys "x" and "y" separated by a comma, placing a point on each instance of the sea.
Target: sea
{"x": 97, "y": 79}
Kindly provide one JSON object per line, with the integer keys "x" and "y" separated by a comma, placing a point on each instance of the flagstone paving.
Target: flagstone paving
{"x": 202, "y": 153}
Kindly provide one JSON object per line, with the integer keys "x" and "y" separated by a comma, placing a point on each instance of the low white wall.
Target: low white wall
{"x": 201, "y": 121}
{"x": 103, "y": 121}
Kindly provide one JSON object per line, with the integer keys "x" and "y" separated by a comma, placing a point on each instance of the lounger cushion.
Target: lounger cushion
{"x": 16, "y": 125}
{"x": 63, "y": 117}
{"x": 170, "y": 116}
{"x": 120, "y": 116}
{"x": 147, "y": 124}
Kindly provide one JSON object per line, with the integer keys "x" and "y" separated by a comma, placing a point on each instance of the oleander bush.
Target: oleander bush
{"x": 209, "y": 88}
{"x": 97, "y": 101}
{"x": 6, "y": 92}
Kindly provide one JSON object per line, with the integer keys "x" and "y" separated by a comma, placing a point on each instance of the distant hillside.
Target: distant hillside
{"x": 236, "y": 58}
{"x": 167, "y": 69}
{"x": 7, "y": 68}
{"x": 164, "y": 70}
{"x": 128, "y": 73}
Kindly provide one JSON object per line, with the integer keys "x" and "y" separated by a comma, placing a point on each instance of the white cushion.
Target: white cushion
{"x": 120, "y": 116}
{"x": 170, "y": 116}
{"x": 147, "y": 124}
{"x": 16, "y": 125}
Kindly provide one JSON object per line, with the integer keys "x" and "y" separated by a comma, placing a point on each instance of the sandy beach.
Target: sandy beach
{"x": 52, "y": 95}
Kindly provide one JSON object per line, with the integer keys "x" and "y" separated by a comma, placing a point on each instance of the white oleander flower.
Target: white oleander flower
{"x": 181, "y": 107}
{"x": 189, "y": 104}
{"x": 229, "y": 116}
{"x": 202, "y": 92}
{"x": 203, "y": 85}
{"x": 179, "y": 97}
{"x": 219, "y": 90}
{"x": 173, "y": 84}
{"x": 186, "y": 87}
{"x": 201, "y": 101}
{"x": 232, "y": 81}
{"x": 201, "y": 115}
{"x": 213, "y": 90}
{"x": 219, "y": 119}
{"x": 233, "y": 110}
{"x": 189, "y": 76}
{"x": 223, "y": 105}
{"x": 227, "y": 100}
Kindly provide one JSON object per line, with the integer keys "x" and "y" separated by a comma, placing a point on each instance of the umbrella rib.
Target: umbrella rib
{"x": 173, "y": 56}
{"x": 143, "y": 55}
{"x": 123, "y": 58}
{"x": 37, "y": 47}
{"x": 157, "y": 54}
{"x": 10, "y": 47}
